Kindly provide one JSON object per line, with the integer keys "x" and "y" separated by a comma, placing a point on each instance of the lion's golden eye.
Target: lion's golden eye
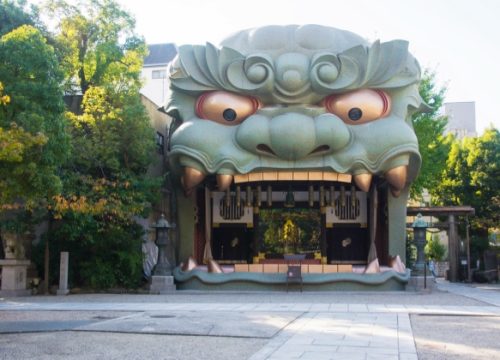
{"x": 360, "y": 106}
{"x": 226, "y": 108}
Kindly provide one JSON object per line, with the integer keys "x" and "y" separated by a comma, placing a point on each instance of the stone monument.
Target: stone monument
{"x": 63, "y": 274}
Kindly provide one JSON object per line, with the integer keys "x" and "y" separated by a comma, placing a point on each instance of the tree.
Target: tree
{"x": 105, "y": 182}
{"x": 32, "y": 126}
{"x": 471, "y": 178}
{"x": 14, "y": 13}
{"x": 102, "y": 60}
{"x": 429, "y": 127}
{"x": 98, "y": 45}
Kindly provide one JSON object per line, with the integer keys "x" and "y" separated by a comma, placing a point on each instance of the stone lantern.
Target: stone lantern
{"x": 162, "y": 280}
{"x": 14, "y": 266}
{"x": 419, "y": 234}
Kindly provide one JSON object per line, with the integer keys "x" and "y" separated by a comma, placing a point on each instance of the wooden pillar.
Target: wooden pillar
{"x": 255, "y": 235}
{"x": 453, "y": 249}
{"x": 467, "y": 226}
{"x": 322, "y": 240}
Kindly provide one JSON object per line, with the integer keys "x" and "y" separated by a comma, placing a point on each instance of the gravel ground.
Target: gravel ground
{"x": 456, "y": 337}
{"x": 88, "y": 346}
{"x": 436, "y": 337}
{"x": 60, "y": 315}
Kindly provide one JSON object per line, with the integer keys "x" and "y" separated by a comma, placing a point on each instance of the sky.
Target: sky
{"x": 458, "y": 39}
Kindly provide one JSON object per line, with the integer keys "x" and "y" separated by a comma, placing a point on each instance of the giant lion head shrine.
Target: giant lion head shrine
{"x": 292, "y": 146}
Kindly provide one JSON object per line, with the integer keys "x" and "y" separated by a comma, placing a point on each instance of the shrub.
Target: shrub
{"x": 99, "y": 257}
{"x": 434, "y": 250}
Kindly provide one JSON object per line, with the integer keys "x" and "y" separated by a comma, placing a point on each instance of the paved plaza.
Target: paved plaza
{"x": 455, "y": 321}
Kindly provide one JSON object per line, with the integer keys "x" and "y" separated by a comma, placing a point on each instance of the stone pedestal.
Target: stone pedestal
{"x": 14, "y": 277}
{"x": 421, "y": 283}
{"x": 162, "y": 284}
{"x": 440, "y": 268}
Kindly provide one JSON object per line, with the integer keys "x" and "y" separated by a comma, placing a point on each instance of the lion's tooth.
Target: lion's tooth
{"x": 363, "y": 181}
{"x": 191, "y": 178}
{"x": 187, "y": 192}
{"x": 224, "y": 181}
{"x": 396, "y": 177}
{"x": 395, "y": 192}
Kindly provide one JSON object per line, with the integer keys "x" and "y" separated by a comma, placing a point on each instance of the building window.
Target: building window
{"x": 159, "y": 142}
{"x": 159, "y": 74}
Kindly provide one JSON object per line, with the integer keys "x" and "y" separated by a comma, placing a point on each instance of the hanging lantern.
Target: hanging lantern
{"x": 258, "y": 196}
{"x": 311, "y": 196}
{"x": 227, "y": 197}
{"x": 353, "y": 196}
{"x": 249, "y": 196}
{"x": 342, "y": 195}
{"x": 289, "y": 198}
{"x": 321, "y": 196}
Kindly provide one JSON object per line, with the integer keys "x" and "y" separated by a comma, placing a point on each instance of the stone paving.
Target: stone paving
{"x": 293, "y": 330}
{"x": 488, "y": 293}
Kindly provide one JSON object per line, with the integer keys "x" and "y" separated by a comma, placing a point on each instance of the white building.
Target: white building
{"x": 154, "y": 72}
{"x": 461, "y": 119}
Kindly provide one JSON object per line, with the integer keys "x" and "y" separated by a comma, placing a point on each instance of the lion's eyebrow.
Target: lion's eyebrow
{"x": 199, "y": 68}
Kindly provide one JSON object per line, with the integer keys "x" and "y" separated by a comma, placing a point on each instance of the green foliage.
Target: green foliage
{"x": 88, "y": 168}
{"x": 98, "y": 45}
{"x": 14, "y": 13}
{"x": 32, "y": 126}
{"x": 100, "y": 256}
{"x": 478, "y": 245}
{"x": 471, "y": 178}
{"x": 411, "y": 250}
{"x": 429, "y": 128}
{"x": 105, "y": 183}
{"x": 434, "y": 250}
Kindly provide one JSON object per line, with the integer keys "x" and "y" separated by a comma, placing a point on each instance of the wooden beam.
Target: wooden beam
{"x": 440, "y": 210}
{"x": 438, "y": 225}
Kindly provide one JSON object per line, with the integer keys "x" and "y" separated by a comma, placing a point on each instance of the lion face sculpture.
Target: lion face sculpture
{"x": 306, "y": 101}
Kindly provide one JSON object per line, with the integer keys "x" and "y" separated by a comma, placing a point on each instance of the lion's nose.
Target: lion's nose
{"x": 292, "y": 136}
{"x": 289, "y": 136}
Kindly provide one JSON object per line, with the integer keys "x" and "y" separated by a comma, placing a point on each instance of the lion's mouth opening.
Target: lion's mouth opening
{"x": 395, "y": 177}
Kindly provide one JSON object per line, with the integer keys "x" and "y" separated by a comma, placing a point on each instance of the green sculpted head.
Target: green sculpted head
{"x": 297, "y": 100}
